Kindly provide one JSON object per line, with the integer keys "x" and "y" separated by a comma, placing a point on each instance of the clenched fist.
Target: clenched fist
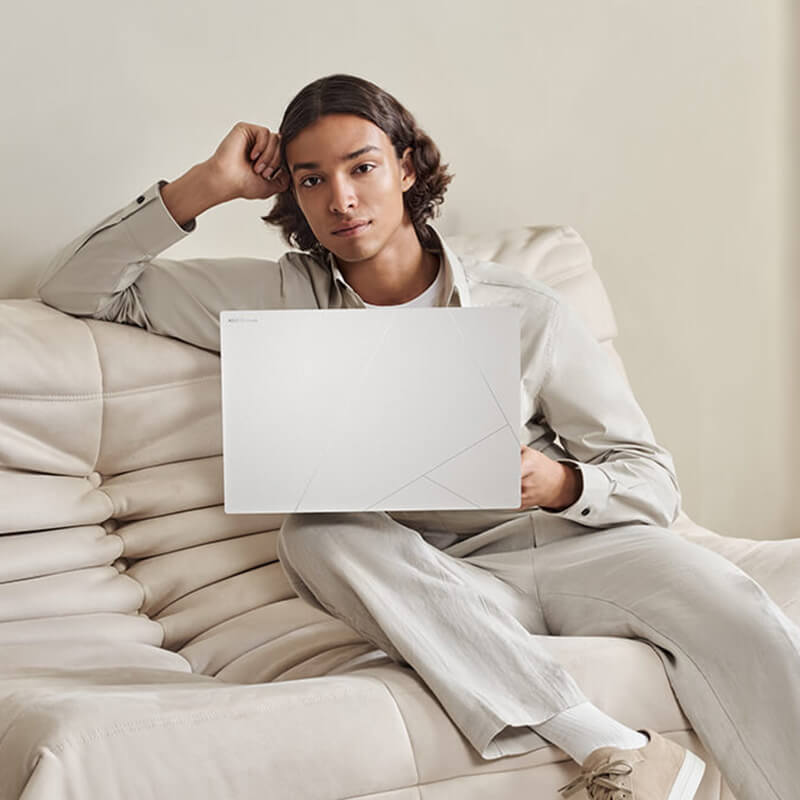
{"x": 546, "y": 483}
{"x": 244, "y": 161}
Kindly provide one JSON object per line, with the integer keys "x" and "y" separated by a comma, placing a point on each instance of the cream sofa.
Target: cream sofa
{"x": 150, "y": 645}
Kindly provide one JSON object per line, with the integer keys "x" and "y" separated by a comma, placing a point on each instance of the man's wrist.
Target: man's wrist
{"x": 194, "y": 192}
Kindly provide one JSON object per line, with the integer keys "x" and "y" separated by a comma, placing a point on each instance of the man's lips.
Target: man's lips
{"x": 352, "y": 228}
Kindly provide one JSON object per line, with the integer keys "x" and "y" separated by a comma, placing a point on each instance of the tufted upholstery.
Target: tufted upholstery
{"x": 150, "y": 642}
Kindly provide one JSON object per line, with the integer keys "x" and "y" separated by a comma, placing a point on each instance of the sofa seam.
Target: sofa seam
{"x": 161, "y": 611}
{"x": 228, "y": 620}
{"x": 40, "y": 751}
{"x": 281, "y": 636}
{"x": 528, "y": 767}
{"x": 164, "y": 638}
{"x": 417, "y": 786}
{"x": 174, "y": 719}
{"x": 386, "y": 686}
{"x": 112, "y": 510}
{"x": 218, "y": 580}
{"x": 121, "y": 543}
{"x": 141, "y": 589}
{"x": 103, "y": 394}
{"x": 574, "y": 270}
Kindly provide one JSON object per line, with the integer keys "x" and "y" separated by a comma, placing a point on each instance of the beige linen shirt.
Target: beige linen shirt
{"x": 570, "y": 389}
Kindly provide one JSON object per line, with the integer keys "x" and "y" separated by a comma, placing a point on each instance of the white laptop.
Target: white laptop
{"x": 370, "y": 409}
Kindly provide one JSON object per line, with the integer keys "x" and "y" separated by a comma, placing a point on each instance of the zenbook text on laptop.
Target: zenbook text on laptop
{"x": 370, "y": 409}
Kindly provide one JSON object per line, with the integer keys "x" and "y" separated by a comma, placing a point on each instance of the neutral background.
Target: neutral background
{"x": 662, "y": 132}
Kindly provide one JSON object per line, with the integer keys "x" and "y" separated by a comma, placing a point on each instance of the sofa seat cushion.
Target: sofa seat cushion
{"x": 130, "y": 731}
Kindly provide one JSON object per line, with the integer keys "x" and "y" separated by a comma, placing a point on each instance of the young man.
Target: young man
{"x": 462, "y": 596}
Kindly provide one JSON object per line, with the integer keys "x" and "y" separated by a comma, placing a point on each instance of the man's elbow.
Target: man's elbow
{"x": 671, "y": 508}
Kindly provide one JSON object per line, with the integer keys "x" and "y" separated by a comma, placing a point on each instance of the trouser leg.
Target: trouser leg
{"x": 470, "y": 636}
{"x": 731, "y": 655}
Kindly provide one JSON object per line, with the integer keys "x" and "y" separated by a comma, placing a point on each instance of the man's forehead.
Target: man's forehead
{"x": 332, "y": 151}
{"x": 341, "y": 139}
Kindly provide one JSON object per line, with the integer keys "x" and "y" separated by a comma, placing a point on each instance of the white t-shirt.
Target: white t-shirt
{"x": 430, "y": 297}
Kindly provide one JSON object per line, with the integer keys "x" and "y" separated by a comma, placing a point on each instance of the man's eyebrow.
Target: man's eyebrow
{"x": 348, "y": 157}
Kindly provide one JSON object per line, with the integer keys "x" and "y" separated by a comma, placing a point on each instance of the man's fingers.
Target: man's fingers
{"x": 267, "y": 151}
{"x": 527, "y": 467}
{"x": 262, "y": 137}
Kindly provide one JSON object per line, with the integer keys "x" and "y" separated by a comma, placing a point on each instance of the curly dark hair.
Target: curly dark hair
{"x": 349, "y": 94}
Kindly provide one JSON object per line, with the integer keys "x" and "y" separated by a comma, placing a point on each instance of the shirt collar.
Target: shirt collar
{"x": 456, "y": 289}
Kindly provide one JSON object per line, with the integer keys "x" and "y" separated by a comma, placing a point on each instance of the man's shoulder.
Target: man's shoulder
{"x": 494, "y": 283}
{"x": 302, "y": 261}
{"x": 305, "y": 280}
{"x": 304, "y": 265}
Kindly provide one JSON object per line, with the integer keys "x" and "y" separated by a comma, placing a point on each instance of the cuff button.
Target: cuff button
{"x": 140, "y": 198}
{"x": 585, "y": 512}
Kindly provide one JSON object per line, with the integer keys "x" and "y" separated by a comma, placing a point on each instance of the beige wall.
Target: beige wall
{"x": 791, "y": 209}
{"x": 660, "y": 131}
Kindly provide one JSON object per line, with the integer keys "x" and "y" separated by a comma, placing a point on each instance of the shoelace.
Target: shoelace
{"x": 599, "y": 781}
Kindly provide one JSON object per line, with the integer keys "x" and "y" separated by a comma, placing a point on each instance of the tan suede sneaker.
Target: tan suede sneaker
{"x": 661, "y": 770}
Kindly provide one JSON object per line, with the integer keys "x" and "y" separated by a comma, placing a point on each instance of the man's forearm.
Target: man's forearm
{"x": 194, "y": 192}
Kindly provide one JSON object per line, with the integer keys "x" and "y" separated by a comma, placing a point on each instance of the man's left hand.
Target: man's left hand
{"x": 547, "y": 483}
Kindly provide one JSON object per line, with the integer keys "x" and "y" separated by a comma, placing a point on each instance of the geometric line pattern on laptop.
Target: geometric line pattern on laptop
{"x": 502, "y": 437}
{"x": 483, "y": 375}
{"x": 452, "y": 491}
{"x": 514, "y": 431}
{"x": 441, "y": 463}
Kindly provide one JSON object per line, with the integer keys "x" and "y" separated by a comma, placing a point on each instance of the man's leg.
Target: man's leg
{"x": 470, "y": 636}
{"x": 731, "y": 655}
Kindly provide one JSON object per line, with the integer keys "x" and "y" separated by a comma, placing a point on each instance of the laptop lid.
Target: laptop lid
{"x": 370, "y": 409}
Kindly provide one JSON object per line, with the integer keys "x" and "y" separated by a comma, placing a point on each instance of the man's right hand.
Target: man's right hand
{"x": 245, "y": 158}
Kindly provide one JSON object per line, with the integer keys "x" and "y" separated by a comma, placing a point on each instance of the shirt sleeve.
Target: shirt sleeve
{"x": 627, "y": 477}
{"x": 112, "y": 272}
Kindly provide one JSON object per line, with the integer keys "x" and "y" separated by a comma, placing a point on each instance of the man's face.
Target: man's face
{"x": 333, "y": 190}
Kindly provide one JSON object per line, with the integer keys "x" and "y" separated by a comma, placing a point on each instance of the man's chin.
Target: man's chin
{"x": 355, "y": 251}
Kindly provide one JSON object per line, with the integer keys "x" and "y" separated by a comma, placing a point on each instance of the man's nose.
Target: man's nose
{"x": 342, "y": 196}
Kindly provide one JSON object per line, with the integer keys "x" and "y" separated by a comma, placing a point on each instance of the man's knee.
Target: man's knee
{"x": 304, "y": 531}
{"x": 307, "y": 522}
{"x": 327, "y": 534}
{"x": 702, "y": 579}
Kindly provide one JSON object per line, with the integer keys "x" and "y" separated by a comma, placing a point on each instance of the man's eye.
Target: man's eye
{"x": 315, "y": 178}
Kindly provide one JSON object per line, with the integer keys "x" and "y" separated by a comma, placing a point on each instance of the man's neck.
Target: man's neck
{"x": 402, "y": 271}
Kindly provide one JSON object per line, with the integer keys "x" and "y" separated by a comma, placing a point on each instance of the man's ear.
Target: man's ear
{"x": 408, "y": 175}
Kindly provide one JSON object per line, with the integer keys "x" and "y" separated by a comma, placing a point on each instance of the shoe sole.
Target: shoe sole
{"x": 688, "y": 779}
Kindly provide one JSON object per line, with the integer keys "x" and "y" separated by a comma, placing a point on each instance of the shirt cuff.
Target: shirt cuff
{"x": 593, "y": 498}
{"x": 150, "y": 224}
